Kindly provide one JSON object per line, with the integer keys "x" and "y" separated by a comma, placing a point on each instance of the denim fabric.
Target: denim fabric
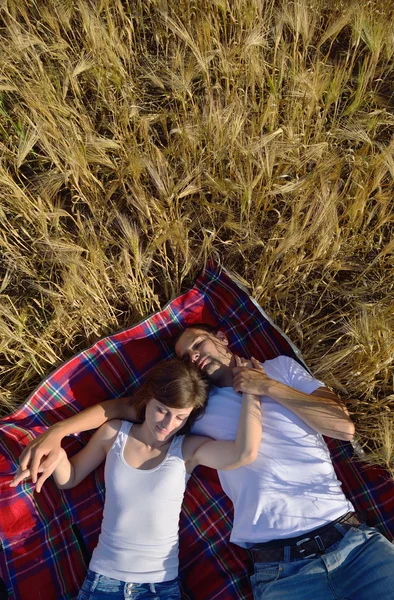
{"x": 100, "y": 587}
{"x": 360, "y": 566}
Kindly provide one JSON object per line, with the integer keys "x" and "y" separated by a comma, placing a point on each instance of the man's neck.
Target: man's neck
{"x": 225, "y": 378}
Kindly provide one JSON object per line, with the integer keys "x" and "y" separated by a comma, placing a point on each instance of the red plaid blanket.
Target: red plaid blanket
{"x": 47, "y": 538}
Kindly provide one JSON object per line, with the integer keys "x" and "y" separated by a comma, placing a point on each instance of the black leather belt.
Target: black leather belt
{"x": 312, "y": 543}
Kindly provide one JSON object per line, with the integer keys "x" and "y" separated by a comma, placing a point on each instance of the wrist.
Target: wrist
{"x": 252, "y": 396}
{"x": 268, "y": 387}
{"x": 59, "y": 429}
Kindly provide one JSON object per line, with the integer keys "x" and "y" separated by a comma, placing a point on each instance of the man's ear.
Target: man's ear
{"x": 222, "y": 337}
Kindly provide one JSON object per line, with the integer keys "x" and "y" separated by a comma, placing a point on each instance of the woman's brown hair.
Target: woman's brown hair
{"x": 174, "y": 384}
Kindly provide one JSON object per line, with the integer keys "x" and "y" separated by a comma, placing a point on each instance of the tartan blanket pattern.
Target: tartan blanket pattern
{"x": 47, "y": 538}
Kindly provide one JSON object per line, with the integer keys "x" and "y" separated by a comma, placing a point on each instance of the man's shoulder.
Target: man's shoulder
{"x": 280, "y": 361}
{"x": 281, "y": 368}
{"x": 278, "y": 358}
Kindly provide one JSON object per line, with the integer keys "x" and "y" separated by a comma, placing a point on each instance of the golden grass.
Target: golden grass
{"x": 137, "y": 138}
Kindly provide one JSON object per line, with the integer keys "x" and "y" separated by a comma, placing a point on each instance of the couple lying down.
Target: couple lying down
{"x": 289, "y": 508}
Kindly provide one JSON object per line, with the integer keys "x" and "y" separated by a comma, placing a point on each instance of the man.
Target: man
{"x": 289, "y": 508}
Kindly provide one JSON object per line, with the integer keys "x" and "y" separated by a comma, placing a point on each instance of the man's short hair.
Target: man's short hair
{"x": 203, "y": 326}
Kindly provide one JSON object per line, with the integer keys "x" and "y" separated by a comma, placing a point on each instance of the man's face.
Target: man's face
{"x": 209, "y": 351}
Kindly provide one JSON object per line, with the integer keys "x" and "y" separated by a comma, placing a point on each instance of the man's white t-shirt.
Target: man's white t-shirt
{"x": 291, "y": 488}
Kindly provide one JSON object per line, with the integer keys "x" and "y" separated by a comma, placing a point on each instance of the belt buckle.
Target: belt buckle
{"x": 299, "y": 543}
{"x": 318, "y": 541}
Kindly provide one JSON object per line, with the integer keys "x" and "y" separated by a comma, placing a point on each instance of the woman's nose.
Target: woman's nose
{"x": 168, "y": 422}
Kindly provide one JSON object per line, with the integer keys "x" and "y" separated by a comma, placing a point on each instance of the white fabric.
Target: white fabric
{"x": 139, "y": 533}
{"x": 291, "y": 488}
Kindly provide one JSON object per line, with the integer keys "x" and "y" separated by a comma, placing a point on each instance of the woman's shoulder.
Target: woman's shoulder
{"x": 106, "y": 434}
{"x": 109, "y": 429}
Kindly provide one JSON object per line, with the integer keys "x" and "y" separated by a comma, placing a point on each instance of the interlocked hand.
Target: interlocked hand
{"x": 41, "y": 456}
{"x": 22, "y": 473}
{"x": 250, "y": 377}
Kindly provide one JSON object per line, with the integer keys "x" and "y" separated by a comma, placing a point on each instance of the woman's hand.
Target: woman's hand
{"x": 25, "y": 473}
{"x": 41, "y": 455}
{"x": 250, "y": 378}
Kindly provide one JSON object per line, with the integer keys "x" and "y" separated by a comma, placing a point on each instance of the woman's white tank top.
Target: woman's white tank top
{"x": 139, "y": 532}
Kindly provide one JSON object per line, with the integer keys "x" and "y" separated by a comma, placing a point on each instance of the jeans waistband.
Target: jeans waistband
{"x": 313, "y": 543}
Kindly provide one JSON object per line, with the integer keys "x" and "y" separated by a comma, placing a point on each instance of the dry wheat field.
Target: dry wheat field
{"x": 139, "y": 137}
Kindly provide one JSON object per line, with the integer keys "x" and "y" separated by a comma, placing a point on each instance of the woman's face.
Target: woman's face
{"x": 164, "y": 421}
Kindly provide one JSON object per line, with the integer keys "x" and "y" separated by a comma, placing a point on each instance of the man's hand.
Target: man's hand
{"x": 250, "y": 378}
{"x": 40, "y": 456}
{"x": 22, "y": 473}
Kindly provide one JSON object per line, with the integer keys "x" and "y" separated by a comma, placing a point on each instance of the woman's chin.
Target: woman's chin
{"x": 162, "y": 433}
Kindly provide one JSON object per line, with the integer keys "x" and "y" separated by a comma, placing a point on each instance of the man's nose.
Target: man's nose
{"x": 193, "y": 355}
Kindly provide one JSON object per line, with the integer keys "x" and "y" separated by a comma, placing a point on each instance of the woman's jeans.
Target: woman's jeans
{"x": 100, "y": 587}
{"x": 360, "y": 566}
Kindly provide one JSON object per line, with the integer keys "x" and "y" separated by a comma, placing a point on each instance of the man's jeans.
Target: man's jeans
{"x": 100, "y": 587}
{"x": 360, "y": 566}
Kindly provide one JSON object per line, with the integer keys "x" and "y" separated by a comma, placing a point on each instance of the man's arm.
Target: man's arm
{"x": 42, "y": 452}
{"x": 322, "y": 409}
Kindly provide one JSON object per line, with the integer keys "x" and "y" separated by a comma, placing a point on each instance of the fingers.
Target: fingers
{"x": 49, "y": 461}
{"x": 239, "y": 381}
{"x": 256, "y": 364}
{"x": 238, "y": 366}
{"x": 24, "y": 458}
{"x": 242, "y": 364}
{"x": 42, "y": 479}
{"x": 235, "y": 383}
{"x": 22, "y": 474}
{"x": 19, "y": 476}
{"x": 35, "y": 465}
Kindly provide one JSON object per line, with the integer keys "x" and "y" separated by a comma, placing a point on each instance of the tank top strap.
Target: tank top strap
{"x": 121, "y": 438}
{"x": 176, "y": 446}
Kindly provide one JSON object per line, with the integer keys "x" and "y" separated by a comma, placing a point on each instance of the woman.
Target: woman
{"x": 146, "y": 471}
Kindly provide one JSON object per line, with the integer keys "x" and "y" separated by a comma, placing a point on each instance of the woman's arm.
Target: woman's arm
{"x": 69, "y": 472}
{"x": 41, "y": 453}
{"x": 225, "y": 455}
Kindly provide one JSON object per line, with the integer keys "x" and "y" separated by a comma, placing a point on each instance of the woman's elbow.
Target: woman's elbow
{"x": 247, "y": 457}
{"x": 64, "y": 486}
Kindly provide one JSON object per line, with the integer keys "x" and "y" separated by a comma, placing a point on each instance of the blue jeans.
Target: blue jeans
{"x": 100, "y": 587}
{"x": 360, "y": 566}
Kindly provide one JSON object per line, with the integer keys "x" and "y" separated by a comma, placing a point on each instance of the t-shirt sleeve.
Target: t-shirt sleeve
{"x": 297, "y": 376}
